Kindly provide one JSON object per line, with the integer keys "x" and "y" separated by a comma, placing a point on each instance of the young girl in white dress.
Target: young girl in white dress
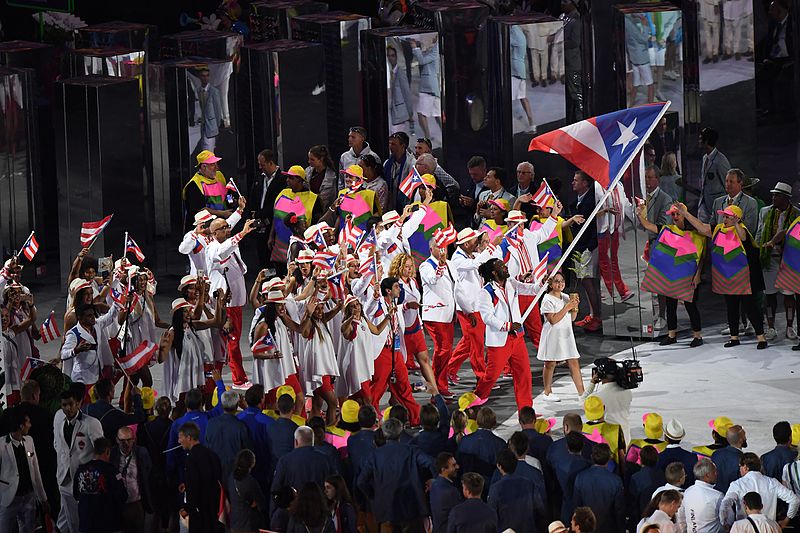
{"x": 182, "y": 349}
{"x": 362, "y": 342}
{"x": 318, "y": 362}
{"x": 558, "y": 341}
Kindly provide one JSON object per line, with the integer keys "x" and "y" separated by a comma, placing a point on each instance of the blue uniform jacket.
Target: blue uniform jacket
{"x": 773, "y": 461}
{"x": 566, "y": 473}
{"x": 727, "y": 461}
{"x": 201, "y": 418}
{"x": 300, "y": 466}
{"x": 472, "y": 516}
{"x": 536, "y": 477}
{"x": 538, "y": 444}
{"x": 281, "y": 438}
{"x": 435, "y": 442}
{"x": 640, "y": 491}
{"x": 601, "y": 490}
{"x": 477, "y": 451}
{"x": 392, "y": 479}
{"x": 512, "y": 499}
{"x": 226, "y": 436}
{"x": 258, "y": 425}
{"x": 444, "y": 496}
{"x": 677, "y": 454}
{"x": 360, "y": 446}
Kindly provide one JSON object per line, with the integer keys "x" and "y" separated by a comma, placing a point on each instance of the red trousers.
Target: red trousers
{"x": 609, "y": 267}
{"x": 515, "y": 353}
{"x": 400, "y": 389}
{"x": 442, "y": 335}
{"x": 471, "y": 345}
{"x": 234, "y": 352}
{"x": 533, "y": 324}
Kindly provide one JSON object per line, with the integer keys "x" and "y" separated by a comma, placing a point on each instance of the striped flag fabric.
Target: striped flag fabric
{"x": 336, "y": 286}
{"x": 370, "y": 239}
{"x": 138, "y": 358}
{"x": 542, "y": 195}
{"x": 350, "y": 235}
{"x": 231, "y": 186}
{"x": 29, "y": 366}
{"x": 318, "y": 239}
{"x": 132, "y": 247}
{"x": 30, "y": 247}
{"x": 49, "y": 328}
{"x": 324, "y": 259}
{"x": 410, "y": 183}
{"x": 264, "y": 345}
{"x": 367, "y": 267}
{"x": 445, "y": 237}
{"x": 514, "y": 242}
{"x": 90, "y": 230}
{"x": 540, "y": 271}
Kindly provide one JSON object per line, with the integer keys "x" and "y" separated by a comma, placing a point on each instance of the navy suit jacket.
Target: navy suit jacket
{"x": 226, "y": 436}
{"x": 601, "y": 490}
{"x": 360, "y": 446}
{"x": 435, "y": 442}
{"x": 477, "y": 451}
{"x": 727, "y": 461}
{"x": 300, "y": 466}
{"x": 536, "y": 477}
{"x": 773, "y": 461}
{"x": 472, "y": 516}
{"x": 672, "y": 455}
{"x": 512, "y": 499}
{"x": 392, "y": 479}
{"x": 444, "y": 496}
{"x": 258, "y": 425}
{"x": 566, "y": 473}
{"x": 538, "y": 444}
{"x": 281, "y": 436}
{"x": 640, "y": 491}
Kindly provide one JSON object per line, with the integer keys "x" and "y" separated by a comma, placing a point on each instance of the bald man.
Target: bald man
{"x": 134, "y": 465}
{"x": 226, "y": 271}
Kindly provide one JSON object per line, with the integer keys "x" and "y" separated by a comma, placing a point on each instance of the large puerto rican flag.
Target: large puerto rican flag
{"x": 603, "y": 146}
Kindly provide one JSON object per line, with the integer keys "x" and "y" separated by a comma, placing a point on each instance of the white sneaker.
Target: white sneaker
{"x": 770, "y": 334}
{"x": 660, "y": 324}
{"x": 551, "y": 397}
{"x": 244, "y": 386}
{"x": 790, "y": 333}
{"x": 726, "y": 331}
{"x": 750, "y": 330}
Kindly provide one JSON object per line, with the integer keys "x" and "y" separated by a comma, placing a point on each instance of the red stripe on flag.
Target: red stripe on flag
{"x": 575, "y": 152}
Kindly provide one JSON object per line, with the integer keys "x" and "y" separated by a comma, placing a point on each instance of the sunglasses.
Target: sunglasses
{"x": 359, "y": 130}
{"x": 425, "y": 140}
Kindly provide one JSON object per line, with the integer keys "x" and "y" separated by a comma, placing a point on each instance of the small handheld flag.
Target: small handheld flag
{"x": 90, "y": 230}
{"x": 30, "y": 247}
{"x": 540, "y": 270}
{"x": 231, "y": 186}
{"x": 445, "y": 237}
{"x": 132, "y": 247}
{"x": 137, "y": 359}
{"x": 29, "y": 366}
{"x": 543, "y": 195}
{"x": 336, "y": 286}
{"x": 324, "y": 259}
{"x": 411, "y": 182}
{"x": 264, "y": 345}
{"x": 49, "y": 328}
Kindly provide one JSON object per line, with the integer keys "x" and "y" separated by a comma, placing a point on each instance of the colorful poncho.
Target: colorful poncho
{"x": 730, "y": 272}
{"x": 435, "y": 218}
{"x": 789, "y": 272}
{"x": 554, "y": 243}
{"x": 289, "y": 203}
{"x": 359, "y": 205}
{"x": 674, "y": 259}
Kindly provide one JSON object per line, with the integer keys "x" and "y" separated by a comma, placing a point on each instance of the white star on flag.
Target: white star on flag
{"x": 626, "y": 134}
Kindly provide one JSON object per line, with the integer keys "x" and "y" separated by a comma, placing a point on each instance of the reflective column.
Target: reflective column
{"x": 271, "y": 20}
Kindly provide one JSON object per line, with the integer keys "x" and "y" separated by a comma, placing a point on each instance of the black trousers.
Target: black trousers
{"x": 691, "y": 309}
{"x": 748, "y": 302}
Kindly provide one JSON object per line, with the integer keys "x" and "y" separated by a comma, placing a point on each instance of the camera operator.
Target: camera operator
{"x": 617, "y": 399}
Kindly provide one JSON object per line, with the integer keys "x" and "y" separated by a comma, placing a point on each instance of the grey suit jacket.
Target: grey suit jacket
{"x": 402, "y": 108}
{"x": 656, "y": 211}
{"x": 713, "y": 184}
{"x": 749, "y": 208}
{"x": 211, "y": 114}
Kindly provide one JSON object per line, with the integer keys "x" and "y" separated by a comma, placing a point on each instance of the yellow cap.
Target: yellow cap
{"x": 466, "y": 400}
{"x": 795, "y": 434}
{"x": 354, "y": 170}
{"x": 594, "y": 408}
{"x": 544, "y": 425}
{"x": 501, "y": 203}
{"x": 721, "y": 424}
{"x": 653, "y": 425}
{"x": 350, "y": 411}
{"x": 296, "y": 170}
{"x": 214, "y": 398}
{"x": 285, "y": 389}
{"x": 429, "y": 180}
{"x": 148, "y": 398}
{"x": 387, "y": 414}
{"x": 207, "y": 156}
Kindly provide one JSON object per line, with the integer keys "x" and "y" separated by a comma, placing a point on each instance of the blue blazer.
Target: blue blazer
{"x": 226, "y": 435}
{"x": 477, "y": 451}
{"x": 672, "y": 455}
{"x": 538, "y": 444}
{"x": 444, "y": 496}
{"x": 258, "y": 425}
{"x": 566, "y": 472}
{"x": 392, "y": 479}
{"x": 360, "y": 446}
{"x": 435, "y": 442}
{"x": 773, "y": 461}
{"x": 300, "y": 466}
{"x": 472, "y": 516}
{"x": 536, "y": 477}
{"x": 601, "y": 490}
{"x": 640, "y": 491}
{"x": 727, "y": 461}
{"x": 511, "y": 497}
{"x": 281, "y": 437}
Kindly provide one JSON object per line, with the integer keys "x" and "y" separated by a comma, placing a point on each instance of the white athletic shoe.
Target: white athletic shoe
{"x": 551, "y": 397}
{"x": 660, "y": 324}
{"x": 790, "y": 333}
{"x": 750, "y": 330}
{"x": 770, "y": 334}
{"x": 726, "y": 331}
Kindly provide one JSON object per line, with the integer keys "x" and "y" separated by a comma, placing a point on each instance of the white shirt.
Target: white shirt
{"x": 700, "y": 509}
{"x": 225, "y": 254}
{"x": 764, "y": 525}
{"x": 617, "y": 402}
{"x": 791, "y": 477}
{"x": 438, "y": 291}
{"x": 769, "y": 489}
{"x": 665, "y": 524}
{"x": 668, "y": 486}
{"x": 469, "y": 281}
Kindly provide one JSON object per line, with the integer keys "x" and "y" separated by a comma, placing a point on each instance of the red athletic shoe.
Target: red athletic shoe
{"x": 584, "y": 321}
{"x": 595, "y": 324}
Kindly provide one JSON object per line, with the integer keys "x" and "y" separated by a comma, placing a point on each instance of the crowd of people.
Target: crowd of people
{"x": 357, "y": 264}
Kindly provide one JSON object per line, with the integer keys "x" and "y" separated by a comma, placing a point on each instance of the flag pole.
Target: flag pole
{"x": 16, "y": 256}
{"x": 125, "y": 247}
{"x": 124, "y": 373}
{"x": 597, "y": 208}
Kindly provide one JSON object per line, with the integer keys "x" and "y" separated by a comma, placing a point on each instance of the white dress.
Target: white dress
{"x": 357, "y": 359}
{"x": 190, "y": 369}
{"x": 319, "y": 358}
{"x": 272, "y": 373}
{"x": 557, "y": 342}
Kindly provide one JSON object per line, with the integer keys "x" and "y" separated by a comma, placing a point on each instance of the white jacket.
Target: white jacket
{"x": 9, "y": 475}
{"x": 411, "y": 294}
{"x": 194, "y": 245}
{"x": 770, "y": 490}
{"x": 764, "y": 525}
{"x": 700, "y": 509}
{"x": 499, "y": 307}
{"x": 225, "y": 254}
{"x": 531, "y": 238}
{"x": 438, "y": 291}
{"x": 468, "y": 279}
{"x": 86, "y": 366}
{"x": 80, "y": 450}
